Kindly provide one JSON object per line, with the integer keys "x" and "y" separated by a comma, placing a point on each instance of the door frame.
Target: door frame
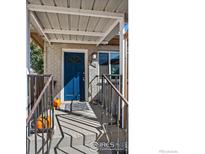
{"x": 85, "y": 51}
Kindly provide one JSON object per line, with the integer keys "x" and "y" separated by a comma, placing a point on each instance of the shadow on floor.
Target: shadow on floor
{"x": 71, "y": 123}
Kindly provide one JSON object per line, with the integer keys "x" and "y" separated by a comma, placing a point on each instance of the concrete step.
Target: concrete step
{"x": 31, "y": 142}
{"x": 77, "y": 149}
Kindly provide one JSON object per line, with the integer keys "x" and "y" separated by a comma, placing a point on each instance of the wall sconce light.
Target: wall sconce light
{"x": 94, "y": 56}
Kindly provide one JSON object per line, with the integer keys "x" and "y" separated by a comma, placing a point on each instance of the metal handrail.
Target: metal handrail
{"x": 112, "y": 99}
{"x": 116, "y": 90}
{"x": 38, "y": 100}
{"x": 44, "y": 75}
{"x": 40, "y": 120}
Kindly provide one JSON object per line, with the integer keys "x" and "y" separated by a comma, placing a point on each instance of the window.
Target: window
{"x": 114, "y": 62}
{"x": 104, "y": 63}
{"x": 109, "y": 62}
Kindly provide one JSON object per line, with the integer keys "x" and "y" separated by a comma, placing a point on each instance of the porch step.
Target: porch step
{"x": 80, "y": 128}
{"x": 77, "y": 149}
{"x": 31, "y": 143}
{"x": 101, "y": 115}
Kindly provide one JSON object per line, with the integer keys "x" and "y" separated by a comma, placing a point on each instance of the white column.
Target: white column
{"x": 122, "y": 62}
{"x": 27, "y": 41}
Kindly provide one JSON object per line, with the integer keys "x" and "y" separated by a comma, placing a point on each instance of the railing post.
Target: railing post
{"x": 29, "y": 102}
{"x": 47, "y": 116}
{"x": 35, "y": 118}
{"x": 52, "y": 96}
{"x": 42, "y": 116}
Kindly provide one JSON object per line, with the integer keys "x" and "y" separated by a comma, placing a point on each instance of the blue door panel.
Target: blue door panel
{"x": 74, "y": 86}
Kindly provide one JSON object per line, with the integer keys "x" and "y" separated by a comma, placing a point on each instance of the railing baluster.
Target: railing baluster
{"x": 35, "y": 118}
{"x": 52, "y": 97}
{"x": 41, "y": 105}
{"x": 43, "y": 120}
{"x": 102, "y": 96}
{"x": 111, "y": 105}
{"x": 46, "y": 114}
{"x": 29, "y": 102}
{"x": 113, "y": 99}
{"x": 98, "y": 89}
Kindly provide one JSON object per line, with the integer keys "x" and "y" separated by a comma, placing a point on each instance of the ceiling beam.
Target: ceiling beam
{"x": 37, "y": 39}
{"x": 75, "y": 41}
{"x": 108, "y": 31}
{"x": 74, "y": 11}
{"x": 72, "y": 32}
{"x": 38, "y": 25}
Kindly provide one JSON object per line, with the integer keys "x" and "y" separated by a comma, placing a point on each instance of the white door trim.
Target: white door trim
{"x": 85, "y": 51}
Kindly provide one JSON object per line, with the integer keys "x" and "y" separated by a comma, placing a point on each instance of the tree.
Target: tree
{"x": 36, "y": 56}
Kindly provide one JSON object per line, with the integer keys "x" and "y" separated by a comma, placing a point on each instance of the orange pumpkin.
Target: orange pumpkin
{"x": 56, "y": 102}
{"x": 40, "y": 123}
{"x": 43, "y": 123}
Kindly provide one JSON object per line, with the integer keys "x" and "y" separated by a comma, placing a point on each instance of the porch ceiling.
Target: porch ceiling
{"x": 77, "y": 21}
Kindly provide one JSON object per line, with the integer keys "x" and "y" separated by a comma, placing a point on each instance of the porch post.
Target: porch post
{"x": 27, "y": 41}
{"x": 122, "y": 64}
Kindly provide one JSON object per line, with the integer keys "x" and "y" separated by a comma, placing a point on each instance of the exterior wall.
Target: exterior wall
{"x": 53, "y": 64}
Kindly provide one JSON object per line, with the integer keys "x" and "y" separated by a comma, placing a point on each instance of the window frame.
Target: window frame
{"x": 109, "y": 60}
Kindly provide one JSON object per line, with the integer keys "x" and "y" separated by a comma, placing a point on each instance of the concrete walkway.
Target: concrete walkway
{"x": 76, "y": 131}
{"x": 79, "y": 131}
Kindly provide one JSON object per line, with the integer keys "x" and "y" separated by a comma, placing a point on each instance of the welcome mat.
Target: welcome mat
{"x": 75, "y": 106}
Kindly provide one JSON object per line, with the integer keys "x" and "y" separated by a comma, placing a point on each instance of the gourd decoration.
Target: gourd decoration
{"x": 43, "y": 122}
{"x": 56, "y": 102}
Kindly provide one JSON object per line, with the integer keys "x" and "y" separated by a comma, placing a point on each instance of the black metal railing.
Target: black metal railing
{"x": 40, "y": 119}
{"x": 108, "y": 94}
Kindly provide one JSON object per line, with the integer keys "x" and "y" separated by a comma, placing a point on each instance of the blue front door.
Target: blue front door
{"x": 74, "y": 74}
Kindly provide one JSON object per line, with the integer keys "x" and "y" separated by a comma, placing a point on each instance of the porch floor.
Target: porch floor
{"x": 76, "y": 132}
{"x": 80, "y": 129}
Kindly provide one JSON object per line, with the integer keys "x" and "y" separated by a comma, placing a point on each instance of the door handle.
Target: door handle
{"x": 83, "y": 76}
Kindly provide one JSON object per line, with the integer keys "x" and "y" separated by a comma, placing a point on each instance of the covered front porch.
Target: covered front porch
{"x": 85, "y": 66}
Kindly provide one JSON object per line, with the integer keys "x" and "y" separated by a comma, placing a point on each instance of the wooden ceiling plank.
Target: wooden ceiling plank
{"x": 104, "y": 24}
{"x": 113, "y": 5}
{"x": 38, "y": 24}
{"x": 34, "y": 1}
{"x": 66, "y": 37}
{"x": 74, "y": 18}
{"x": 50, "y": 15}
{"x": 51, "y": 36}
{"x": 43, "y": 19}
{"x": 48, "y": 2}
{"x": 100, "y": 6}
{"x": 108, "y": 31}
{"x": 113, "y": 33}
{"x": 123, "y": 8}
{"x": 83, "y": 21}
{"x": 37, "y": 39}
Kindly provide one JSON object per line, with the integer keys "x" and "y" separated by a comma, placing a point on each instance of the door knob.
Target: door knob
{"x": 83, "y": 76}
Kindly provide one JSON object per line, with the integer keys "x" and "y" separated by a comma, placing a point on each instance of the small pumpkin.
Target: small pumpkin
{"x": 43, "y": 122}
{"x": 56, "y": 102}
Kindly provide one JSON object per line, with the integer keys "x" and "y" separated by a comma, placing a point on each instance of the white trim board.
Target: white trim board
{"x": 85, "y": 51}
{"x": 74, "y": 11}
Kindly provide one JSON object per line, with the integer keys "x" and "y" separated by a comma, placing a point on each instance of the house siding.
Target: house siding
{"x": 53, "y": 64}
